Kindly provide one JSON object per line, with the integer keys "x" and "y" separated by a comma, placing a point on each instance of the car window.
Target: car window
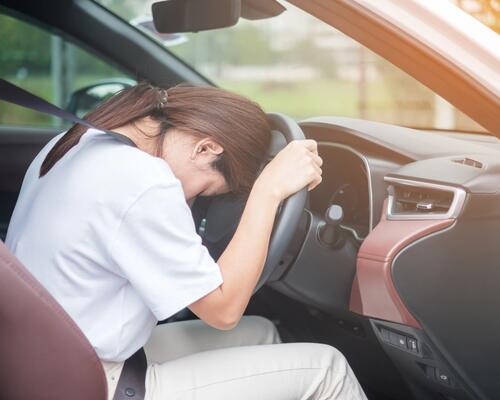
{"x": 299, "y": 65}
{"x": 52, "y": 68}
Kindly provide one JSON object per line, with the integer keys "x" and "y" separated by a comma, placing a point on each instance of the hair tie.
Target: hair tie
{"x": 163, "y": 98}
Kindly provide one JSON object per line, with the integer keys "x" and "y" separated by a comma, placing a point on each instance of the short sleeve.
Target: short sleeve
{"x": 156, "y": 248}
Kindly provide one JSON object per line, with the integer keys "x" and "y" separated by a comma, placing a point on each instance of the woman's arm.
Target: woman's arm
{"x": 295, "y": 167}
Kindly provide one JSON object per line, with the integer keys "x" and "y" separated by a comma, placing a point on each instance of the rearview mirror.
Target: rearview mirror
{"x": 176, "y": 16}
{"x": 173, "y": 16}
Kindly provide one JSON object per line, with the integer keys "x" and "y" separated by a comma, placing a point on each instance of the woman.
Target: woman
{"x": 105, "y": 226}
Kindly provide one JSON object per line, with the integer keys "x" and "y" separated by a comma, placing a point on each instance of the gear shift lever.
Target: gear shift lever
{"x": 329, "y": 233}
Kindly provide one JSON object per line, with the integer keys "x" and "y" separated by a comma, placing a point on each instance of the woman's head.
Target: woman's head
{"x": 211, "y": 138}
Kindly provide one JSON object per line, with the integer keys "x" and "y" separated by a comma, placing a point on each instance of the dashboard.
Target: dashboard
{"x": 418, "y": 207}
{"x": 428, "y": 208}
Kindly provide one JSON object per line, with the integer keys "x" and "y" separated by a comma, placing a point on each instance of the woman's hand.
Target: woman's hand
{"x": 296, "y": 166}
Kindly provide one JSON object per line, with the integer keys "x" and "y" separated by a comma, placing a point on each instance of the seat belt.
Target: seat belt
{"x": 16, "y": 95}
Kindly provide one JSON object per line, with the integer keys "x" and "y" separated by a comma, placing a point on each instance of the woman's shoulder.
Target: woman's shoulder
{"x": 129, "y": 162}
{"x": 113, "y": 176}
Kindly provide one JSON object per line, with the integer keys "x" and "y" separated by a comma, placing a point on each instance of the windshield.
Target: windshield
{"x": 301, "y": 66}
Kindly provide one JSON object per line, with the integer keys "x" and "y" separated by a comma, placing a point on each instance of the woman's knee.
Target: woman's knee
{"x": 334, "y": 354}
{"x": 264, "y": 330}
{"x": 339, "y": 381}
{"x": 325, "y": 356}
{"x": 337, "y": 360}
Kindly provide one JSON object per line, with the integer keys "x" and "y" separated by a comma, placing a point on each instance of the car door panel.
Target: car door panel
{"x": 18, "y": 147}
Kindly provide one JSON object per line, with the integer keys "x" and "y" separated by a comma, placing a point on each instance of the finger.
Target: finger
{"x": 315, "y": 183}
{"x": 317, "y": 159}
{"x": 310, "y": 145}
{"x": 313, "y": 171}
{"x": 316, "y": 170}
{"x": 314, "y": 176}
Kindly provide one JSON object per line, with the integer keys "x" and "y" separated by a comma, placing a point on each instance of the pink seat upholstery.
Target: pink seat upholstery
{"x": 43, "y": 353}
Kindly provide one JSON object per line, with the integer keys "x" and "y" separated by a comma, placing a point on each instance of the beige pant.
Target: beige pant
{"x": 190, "y": 360}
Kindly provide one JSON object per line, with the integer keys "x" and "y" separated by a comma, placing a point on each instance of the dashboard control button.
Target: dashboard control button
{"x": 443, "y": 377}
{"x": 402, "y": 341}
{"x": 411, "y": 343}
{"x": 393, "y": 338}
{"x": 397, "y": 340}
{"x": 384, "y": 333}
{"x": 430, "y": 372}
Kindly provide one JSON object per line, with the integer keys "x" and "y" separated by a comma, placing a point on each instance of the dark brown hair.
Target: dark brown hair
{"x": 236, "y": 123}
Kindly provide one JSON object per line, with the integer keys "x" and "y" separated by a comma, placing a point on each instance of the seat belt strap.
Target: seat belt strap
{"x": 16, "y": 95}
{"x": 132, "y": 381}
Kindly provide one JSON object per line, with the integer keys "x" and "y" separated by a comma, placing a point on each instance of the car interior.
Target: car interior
{"x": 393, "y": 259}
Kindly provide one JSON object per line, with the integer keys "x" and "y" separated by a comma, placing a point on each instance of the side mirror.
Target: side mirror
{"x": 87, "y": 98}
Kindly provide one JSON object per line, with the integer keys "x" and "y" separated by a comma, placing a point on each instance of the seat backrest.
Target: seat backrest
{"x": 43, "y": 353}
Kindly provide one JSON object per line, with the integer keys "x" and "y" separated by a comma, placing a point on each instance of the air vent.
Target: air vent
{"x": 410, "y": 199}
{"x": 418, "y": 200}
{"x": 469, "y": 161}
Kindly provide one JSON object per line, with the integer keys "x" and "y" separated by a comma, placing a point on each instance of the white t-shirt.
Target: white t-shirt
{"x": 109, "y": 234}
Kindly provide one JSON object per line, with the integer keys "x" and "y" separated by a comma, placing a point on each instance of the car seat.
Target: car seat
{"x": 43, "y": 353}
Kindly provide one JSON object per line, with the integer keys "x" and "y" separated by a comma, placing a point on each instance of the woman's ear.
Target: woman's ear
{"x": 206, "y": 151}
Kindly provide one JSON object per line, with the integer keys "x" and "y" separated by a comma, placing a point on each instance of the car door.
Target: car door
{"x": 52, "y": 67}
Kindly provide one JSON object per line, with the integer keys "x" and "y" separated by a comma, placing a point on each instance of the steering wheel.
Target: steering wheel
{"x": 288, "y": 218}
